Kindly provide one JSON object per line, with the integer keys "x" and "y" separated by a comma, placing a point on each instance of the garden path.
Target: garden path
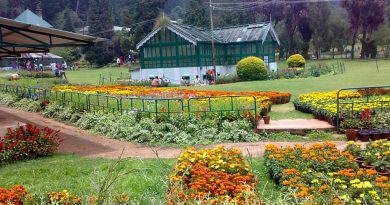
{"x": 86, "y": 144}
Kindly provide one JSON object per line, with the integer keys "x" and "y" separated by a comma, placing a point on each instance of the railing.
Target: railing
{"x": 220, "y": 105}
{"x": 369, "y": 93}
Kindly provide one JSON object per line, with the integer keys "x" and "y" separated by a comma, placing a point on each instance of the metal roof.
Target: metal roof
{"x": 29, "y": 17}
{"x": 245, "y": 33}
{"x": 18, "y": 37}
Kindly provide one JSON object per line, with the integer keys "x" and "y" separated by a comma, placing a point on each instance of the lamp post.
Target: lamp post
{"x": 213, "y": 41}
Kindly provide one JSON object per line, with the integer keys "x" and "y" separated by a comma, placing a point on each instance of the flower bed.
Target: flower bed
{"x": 376, "y": 154}
{"x": 323, "y": 105}
{"x": 28, "y": 142}
{"x": 213, "y": 176}
{"x": 139, "y": 91}
{"x": 13, "y": 196}
{"x": 321, "y": 174}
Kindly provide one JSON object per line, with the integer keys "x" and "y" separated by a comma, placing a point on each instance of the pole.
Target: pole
{"x": 213, "y": 41}
{"x": 377, "y": 67}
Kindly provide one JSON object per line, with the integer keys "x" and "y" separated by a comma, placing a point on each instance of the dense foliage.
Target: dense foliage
{"x": 28, "y": 142}
{"x": 169, "y": 130}
{"x": 296, "y": 61}
{"x": 212, "y": 176}
{"x": 321, "y": 174}
{"x": 252, "y": 68}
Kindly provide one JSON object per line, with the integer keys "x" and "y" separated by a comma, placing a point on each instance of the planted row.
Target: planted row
{"x": 322, "y": 174}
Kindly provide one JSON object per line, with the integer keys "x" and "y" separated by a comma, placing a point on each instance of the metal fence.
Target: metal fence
{"x": 369, "y": 94}
{"x": 199, "y": 106}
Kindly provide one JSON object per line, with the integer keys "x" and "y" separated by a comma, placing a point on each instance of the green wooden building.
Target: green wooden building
{"x": 177, "y": 50}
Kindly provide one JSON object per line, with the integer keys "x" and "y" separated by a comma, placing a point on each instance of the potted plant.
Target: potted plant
{"x": 356, "y": 150}
{"x": 351, "y": 128}
{"x": 264, "y": 114}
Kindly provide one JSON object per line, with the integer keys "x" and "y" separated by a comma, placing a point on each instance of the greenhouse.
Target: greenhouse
{"x": 177, "y": 50}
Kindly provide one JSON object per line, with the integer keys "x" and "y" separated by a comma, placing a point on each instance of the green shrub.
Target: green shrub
{"x": 28, "y": 105}
{"x": 34, "y": 74}
{"x": 6, "y": 99}
{"x": 252, "y": 68}
{"x": 296, "y": 61}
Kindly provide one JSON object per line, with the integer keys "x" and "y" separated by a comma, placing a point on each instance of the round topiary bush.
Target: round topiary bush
{"x": 296, "y": 61}
{"x": 252, "y": 68}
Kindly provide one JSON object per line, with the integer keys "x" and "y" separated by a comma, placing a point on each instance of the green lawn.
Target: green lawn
{"x": 358, "y": 73}
{"x": 92, "y": 76}
{"x": 146, "y": 185}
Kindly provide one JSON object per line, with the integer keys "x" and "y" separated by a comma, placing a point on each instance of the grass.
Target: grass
{"x": 92, "y": 76}
{"x": 358, "y": 73}
{"x": 76, "y": 174}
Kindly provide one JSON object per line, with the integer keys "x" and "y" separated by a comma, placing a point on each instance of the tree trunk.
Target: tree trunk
{"x": 353, "y": 45}
{"x": 77, "y": 7}
{"x": 333, "y": 52}
{"x": 364, "y": 45}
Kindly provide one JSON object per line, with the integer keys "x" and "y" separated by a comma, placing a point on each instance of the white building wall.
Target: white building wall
{"x": 175, "y": 74}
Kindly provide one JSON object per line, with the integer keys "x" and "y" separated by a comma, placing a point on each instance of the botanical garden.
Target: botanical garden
{"x": 194, "y": 102}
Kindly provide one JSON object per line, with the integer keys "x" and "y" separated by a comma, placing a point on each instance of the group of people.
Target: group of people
{"x": 28, "y": 65}
{"x": 122, "y": 60}
{"x": 58, "y": 69}
{"x": 159, "y": 82}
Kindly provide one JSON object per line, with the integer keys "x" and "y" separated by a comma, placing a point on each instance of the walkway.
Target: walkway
{"x": 85, "y": 144}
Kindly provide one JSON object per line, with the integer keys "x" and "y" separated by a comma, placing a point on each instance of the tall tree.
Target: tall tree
{"x": 100, "y": 24}
{"x": 364, "y": 16}
{"x": 319, "y": 14}
{"x": 196, "y": 12}
{"x": 144, "y": 14}
{"x": 295, "y": 18}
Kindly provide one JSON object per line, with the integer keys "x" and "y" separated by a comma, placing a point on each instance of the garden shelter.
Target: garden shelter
{"x": 175, "y": 49}
{"x": 17, "y": 38}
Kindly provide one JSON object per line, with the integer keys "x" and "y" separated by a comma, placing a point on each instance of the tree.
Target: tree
{"x": 295, "y": 15}
{"x": 100, "y": 24}
{"x": 67, "y": 20}
{"x": 338, "y": 34}
{"x": 144, "y": 14}
{"x": 319, "y": 22}
{"x": 364, "y": 15}
{"x": 196, "y": 13}
{"x": 382, "y": 38}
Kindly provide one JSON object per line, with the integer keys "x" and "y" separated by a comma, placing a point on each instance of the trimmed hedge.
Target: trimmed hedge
{"x": 296, "y": 61}
{"x": 252, "y": 68}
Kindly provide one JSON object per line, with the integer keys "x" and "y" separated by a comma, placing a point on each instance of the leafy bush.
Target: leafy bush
{"x": 252, "y": 68}
{"x": 6, "y": 99}
{"x": 228, "y": 78}
{"x": 28, "y": 142}
{"x": 28, "y": 105}
{"x": 296, "y": 61}
{"x": 34, "y": 74}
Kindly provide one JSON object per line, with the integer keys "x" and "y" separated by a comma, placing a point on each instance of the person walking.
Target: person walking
{"x": 53, "y": 67}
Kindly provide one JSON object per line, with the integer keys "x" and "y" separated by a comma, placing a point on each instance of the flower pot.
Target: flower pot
{"x": 386, "y": 134}
{"x": 386, "y": 173}
{"x": 351, "y": 134}
{"x": 359, "y": 160}
{"x": 364, "y": 136}
{"x": 278, "y": 100}
{"x": 375, "y": 135}
{"x": 284, "y": 100}
{"x": 366, "y": 166}
{"x": 267, "y": 119}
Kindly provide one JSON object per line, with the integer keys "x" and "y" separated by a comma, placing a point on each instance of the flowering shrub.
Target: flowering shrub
{"x": 140, "y": 91}
{"x": 322, "y": 173}
{"x": 63, "y": 198}
{"x": 296, "y": 61}
{"x": 377, "y": 154}
{"x": 326, "y": 102}
{"x": 27, "y": 142}
{"x": 213, "y": 176}
{"x": 13, "y": 196}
